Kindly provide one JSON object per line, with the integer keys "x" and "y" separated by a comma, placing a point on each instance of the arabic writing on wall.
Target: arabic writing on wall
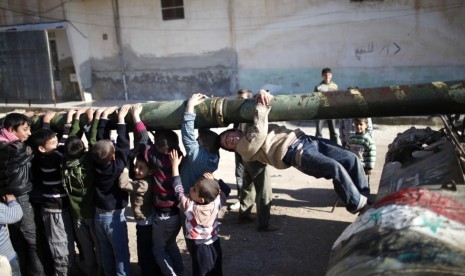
{"x": 387, "y": 49}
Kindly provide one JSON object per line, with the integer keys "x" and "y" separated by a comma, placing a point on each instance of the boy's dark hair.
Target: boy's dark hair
{"x": 223, "y": 133}
{"x": 325, "y": 70}
{"x": 361, "y": 120}
{"x": 245, "y": 91}
{"x": 102, "y": 152}
{"x": 209, "y": 140}
{"x": 74, "y": 148}
{"x": 208, "y": 189}
{"x": 15, "y": 120}
{"x": 166, "y": 137}
{"x": 42, "y": 136}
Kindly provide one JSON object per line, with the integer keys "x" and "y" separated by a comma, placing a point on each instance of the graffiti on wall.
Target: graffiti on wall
{"x": 387, "y": 49}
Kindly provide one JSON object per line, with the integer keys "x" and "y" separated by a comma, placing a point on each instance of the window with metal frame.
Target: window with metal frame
{"x": 172, "y": 9}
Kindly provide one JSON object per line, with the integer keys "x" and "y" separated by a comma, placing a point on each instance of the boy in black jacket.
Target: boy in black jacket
{"x": 15, "y": 166}
{"x": 110, "y": 201}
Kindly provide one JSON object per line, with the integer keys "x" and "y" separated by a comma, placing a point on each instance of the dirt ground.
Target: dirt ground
{"x": 301, "y": 208}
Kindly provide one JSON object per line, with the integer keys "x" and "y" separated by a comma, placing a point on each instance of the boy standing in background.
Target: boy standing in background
{"x": 325, "y": 85}
{"x": 363, "y": 145}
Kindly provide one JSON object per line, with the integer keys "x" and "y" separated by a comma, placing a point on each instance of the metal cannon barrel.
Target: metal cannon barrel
{"x": 406, "y": 100}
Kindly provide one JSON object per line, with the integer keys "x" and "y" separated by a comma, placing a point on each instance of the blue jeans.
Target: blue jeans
{"x": 320, "y": 157}
{"x": 112, "y": 233}
{"x": 165, "y": 249}
{"x": 89, "y": 247}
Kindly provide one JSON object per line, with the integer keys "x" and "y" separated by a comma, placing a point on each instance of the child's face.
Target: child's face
{"x": 162, "y": 146}
{"x": 230, "y": 139}
{"x": 163, "y": 149}
{"x": 194, "y": 193}
{"x": 141, "y": 170}
{"x": 22, "y": 132}
{"x": 360, "y": 126}
{"x": 50, "y": 146}
{"x": 327, "y": 77}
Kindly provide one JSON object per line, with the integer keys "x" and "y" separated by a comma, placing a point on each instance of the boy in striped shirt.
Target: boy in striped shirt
{"x": 362, "y": 144}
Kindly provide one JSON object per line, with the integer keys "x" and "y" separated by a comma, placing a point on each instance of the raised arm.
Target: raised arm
{"x": 141, "y": 135}
{"x": 76, "y": 129}
{"x": 257, "y": 132}
{"x": 102, "y": 131}
{"x": 48, "y": 116}
{"x": 68, "y": 126}
{"x": 175, "y": 159}
{"x": 122, "y": 141}
{"x": 264, "y": 97}
{"x": 194, "y": 100}
{"x": 187, "y": 127}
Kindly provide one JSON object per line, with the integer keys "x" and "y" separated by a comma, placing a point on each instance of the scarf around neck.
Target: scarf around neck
{"x": 6, "y": 136}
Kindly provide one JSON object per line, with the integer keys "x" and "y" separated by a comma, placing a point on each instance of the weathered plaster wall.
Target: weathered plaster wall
{"x": 223, "y": 45}
{"x": 78, "y": 38}
{"x": 367, "y": 44}
{"x": 278, "y": 44}
{"x": 164, "y": 59}
{"x": 166, "y": 78}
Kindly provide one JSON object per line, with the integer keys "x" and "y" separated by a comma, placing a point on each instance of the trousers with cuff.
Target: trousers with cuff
{"x": 256, "y": 188}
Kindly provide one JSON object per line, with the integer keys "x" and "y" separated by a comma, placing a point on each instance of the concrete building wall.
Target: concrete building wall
{"x": 223, "y": 45}
{"x": 163, "y": 59}
{"x": 367, "y": 44}
{"x": 283, "y": 45}
{"x": 79, "y": 43}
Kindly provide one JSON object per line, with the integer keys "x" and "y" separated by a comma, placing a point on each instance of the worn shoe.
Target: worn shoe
{"x": 361, "y": 205}
{"x": 235, "y": 206}
{"x": 269, "y": 228}
{"x": 246, "y": 218}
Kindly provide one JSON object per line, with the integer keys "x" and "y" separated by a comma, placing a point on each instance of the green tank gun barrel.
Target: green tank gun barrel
{"x": 405, "y": 100}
